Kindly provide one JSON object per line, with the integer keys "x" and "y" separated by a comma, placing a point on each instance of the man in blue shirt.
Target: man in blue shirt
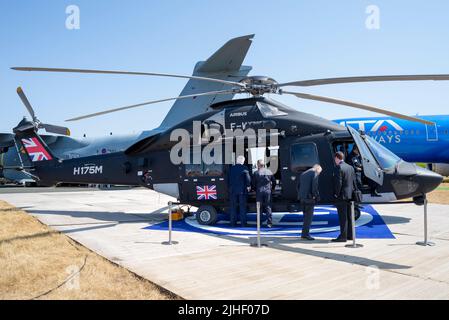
{"x": 239, "y": 184}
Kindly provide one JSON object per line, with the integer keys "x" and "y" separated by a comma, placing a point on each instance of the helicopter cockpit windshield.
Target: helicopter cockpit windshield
{"x": 386, "y": 159}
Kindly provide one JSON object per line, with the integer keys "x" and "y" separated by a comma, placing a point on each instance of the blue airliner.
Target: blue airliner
{"x": 412, "y": 141}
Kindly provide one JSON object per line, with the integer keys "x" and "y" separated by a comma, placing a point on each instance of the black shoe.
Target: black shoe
{"x": 309, "y": 238}
{"x": 375, "y": 194}
{"x": 339, "y": 240}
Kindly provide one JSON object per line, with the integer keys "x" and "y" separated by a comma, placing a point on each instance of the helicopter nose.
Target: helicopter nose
{"x": 428, "y": 180}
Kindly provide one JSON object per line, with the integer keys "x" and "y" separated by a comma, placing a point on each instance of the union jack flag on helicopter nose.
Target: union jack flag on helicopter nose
{"x": 206, "y": 192}
{"x": 35, "y": 150}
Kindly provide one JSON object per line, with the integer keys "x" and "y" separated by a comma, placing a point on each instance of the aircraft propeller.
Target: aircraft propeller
{"x": 40, "y": 125}
{"x": 258, "y": 86}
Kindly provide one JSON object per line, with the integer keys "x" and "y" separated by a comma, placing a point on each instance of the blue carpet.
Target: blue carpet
{"x": 325, "y": 224}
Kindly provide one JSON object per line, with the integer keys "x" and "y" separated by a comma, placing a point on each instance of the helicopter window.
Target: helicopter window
{"x": 303, "y": 156}
{"x": 254, "y": 155}
{"x": 194, "y": 170}
{"x": 201, "y": 170}
{"x": 343, "y": 146}
{"x": 213, "y": 170}
{"x": 385, "y": 157}
{"x": 268, "y": 111}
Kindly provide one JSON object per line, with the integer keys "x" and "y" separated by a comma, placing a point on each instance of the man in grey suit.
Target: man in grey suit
{"x": 344, "y": 183}
{"x": 308, "y": 195}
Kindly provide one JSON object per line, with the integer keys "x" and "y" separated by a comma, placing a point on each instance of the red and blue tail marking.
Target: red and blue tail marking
{"x": 35, "y": 150}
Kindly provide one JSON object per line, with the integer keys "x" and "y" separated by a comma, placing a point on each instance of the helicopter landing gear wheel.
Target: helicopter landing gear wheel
{"x": 206, "y": 215}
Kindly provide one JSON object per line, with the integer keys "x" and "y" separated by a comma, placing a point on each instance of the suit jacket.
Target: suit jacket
{"x": 239, "y": 179}
{"x": 344, "y": 181}
{"x": 263, "y": 181}
{"x": 308, "y": 185}
{"x": 356, "y": 161}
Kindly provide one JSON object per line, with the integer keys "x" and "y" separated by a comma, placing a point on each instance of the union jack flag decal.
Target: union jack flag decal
{"x": 206, "y": 192}
{"x": 35, "y": 150}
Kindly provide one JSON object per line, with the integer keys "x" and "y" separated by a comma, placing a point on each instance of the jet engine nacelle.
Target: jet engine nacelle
{"x": 441, "y": 168}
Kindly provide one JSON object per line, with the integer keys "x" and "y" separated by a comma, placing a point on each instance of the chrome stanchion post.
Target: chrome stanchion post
{"x": 170, "y": 225}
{"x": 258, "y": 244}
{"x": 425, "y": 243}
{"x": 170, "y": 221}
{"x": 354, "y": 242}
{"x": 258, "y": 224}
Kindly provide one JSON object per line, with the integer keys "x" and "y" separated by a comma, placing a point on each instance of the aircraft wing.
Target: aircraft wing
{"x": 6, "y": 140}
{"x": 229, "y": 58}
{"x": 61, "y": 144}
{"x": 142, "y": 145}
{"x": 224, "y": 64}
{"x": 53, "y": 141}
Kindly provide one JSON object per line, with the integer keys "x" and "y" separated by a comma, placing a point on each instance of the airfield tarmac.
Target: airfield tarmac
{"x": 114, "y": 224}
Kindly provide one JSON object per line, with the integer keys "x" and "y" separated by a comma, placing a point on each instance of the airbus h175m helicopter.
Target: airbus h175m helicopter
{"x": 295, "y": 141}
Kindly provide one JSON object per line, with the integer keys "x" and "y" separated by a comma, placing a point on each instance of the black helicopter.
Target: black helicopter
{"x": 294, "y": 142}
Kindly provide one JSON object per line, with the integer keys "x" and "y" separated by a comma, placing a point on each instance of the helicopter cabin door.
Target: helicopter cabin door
{"x": 203, "y": 183}
{"x": 296, "y": 158}
{"x": 371, "y": 168}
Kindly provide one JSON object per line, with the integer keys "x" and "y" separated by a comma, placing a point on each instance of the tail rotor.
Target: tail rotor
{"x": 51, "y": 128}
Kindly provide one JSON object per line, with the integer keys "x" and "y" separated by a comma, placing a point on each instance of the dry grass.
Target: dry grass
{"x": 440, "y": 195}
{"x": 35, "y": 259}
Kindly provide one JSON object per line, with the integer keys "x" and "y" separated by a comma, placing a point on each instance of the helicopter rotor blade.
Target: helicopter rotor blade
{"x": 210, "y": 93}
{"x": 320, "y": 82}
{"x": 51, "y": 128}
{"x": 26, "y": 102}
{"x": 357, "y": 106}
{"x": 88, "y": 71}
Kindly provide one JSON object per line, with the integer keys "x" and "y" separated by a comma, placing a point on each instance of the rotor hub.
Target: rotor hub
{"x": 259, "y": 85}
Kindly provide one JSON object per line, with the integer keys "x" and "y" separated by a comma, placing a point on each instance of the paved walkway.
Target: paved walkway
{"x": 205, "y": 266}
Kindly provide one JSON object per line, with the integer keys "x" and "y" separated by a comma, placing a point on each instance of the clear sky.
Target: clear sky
{"x": 294, "y": 40}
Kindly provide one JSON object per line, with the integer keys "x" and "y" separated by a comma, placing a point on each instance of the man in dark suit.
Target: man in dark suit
{"x": 308, "y": 195}
{"x": 239, "y": 183}
{"x": 263, "y": 183}
{"x": 355, "y": 160}
{"x": 344, "y": 183}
